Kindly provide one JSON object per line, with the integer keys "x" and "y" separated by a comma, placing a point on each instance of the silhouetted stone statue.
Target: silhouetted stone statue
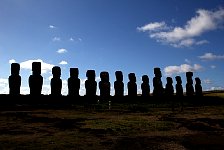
{"x": 104, "y": 85}
{"x": 198, "y": 87}
{"x": 118, "y": 84}
{"x": 73, "y": 82}
{"x": 14, "y": 80}
{"x": 179, "y": 87}
{"x": 56, "y": 82}
{"x": 157, "y": 83}
{"x": 145, "y": 86}
{"x": 36, "y": 80}
{"x": 169, "y": 90}
{"x": 132, "y": 86}
{"x": 90, "y": 83}
{"x": 189, "y": 84}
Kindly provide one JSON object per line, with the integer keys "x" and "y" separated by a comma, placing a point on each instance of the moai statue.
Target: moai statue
{"x": 14, "y": 80}
{"x": 73, "y": 82}
{"x": 118, "y": 84}
{"x": 56, "y": 82}
{"x": 36, "y": 80}
{"x": 198, "y": 87}
{"x": 90, "y": 83}
{"x": 189, "y": 84}
{"x": 145, "y": 86}
{"x": 157, "y": 83}
{"x": 132, "y": 86}
{"x": 169, "y": 91}
{"x": 104, "y": 85}
{"x": 179, "y": 87}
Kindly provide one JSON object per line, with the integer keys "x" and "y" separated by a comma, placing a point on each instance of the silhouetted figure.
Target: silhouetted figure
{"x": 169, "y": 90}
{"x": 198, "y": 87}
{"x": 179, "y": 87}
{"x": 36, "y": 80}
{"x": 90, "y": 83}
{"x": 74, "y": 82}
{"x": 145, "y": 86}
{"x": 118, "y": 84}
{"x": 157, "y": 83}
{"x": 56, "y": 82}
{"x": 14, "y": 80}
{"x": 189, "y": 84}
{"x": 132, "y": 86}
{"x": 104, "y": 85}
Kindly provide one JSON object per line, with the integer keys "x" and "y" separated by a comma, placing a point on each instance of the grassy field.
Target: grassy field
{"x": 115, "y": 127}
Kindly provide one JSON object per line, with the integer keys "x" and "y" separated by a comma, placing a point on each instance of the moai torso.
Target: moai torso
{"x": 104, "y": 85}
{"x": 56, "y": 82}
{"x": 145, "y": 86}
{"x": 198, "y": 87}
{"x": 132, "y": 86}
{"x": 179, "y": 87}
{"x": 118, "y": 84}
{"x": 14, "y": 80}
{"x": 189, "y": 84}
{"x": 73, "y": 82}
{"x": 169, "y": 91}
{"x": 157, "y": 83}
{"x": 36, "y": 80}
{"x": 90, "y": 83}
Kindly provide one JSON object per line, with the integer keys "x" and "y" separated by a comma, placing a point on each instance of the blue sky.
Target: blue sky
{"x": 110, "y": 35}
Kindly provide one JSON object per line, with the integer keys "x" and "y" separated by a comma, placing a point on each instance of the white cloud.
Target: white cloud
{"x": 4, "y": 87}
{"x": 187, "y": 61}
{"x": 52, "y": 27}
{"x": 155, "y": 26}
{"x": 170, "y": 70}
{"x": 204, "y": 21}
{"x": 12, "y": 61}
{"x": 61, "y": 51}
{"x": 45, "y": 67}
{"x": 63, "y": 62}
{"x": 56, "y": 39}
{"x": 207, "y": 81}
{"x": 213, "y": 66}
{"x": 71, "y": 39}
{"x": 210, "y": 56}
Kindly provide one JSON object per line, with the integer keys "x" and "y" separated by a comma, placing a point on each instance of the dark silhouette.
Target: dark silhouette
{"x": 104, "y": 85}
{"x": 36, "y": 80}
{"x": 145, "y": 86}
{"x": 90, "y": 83}
{"x": 132, "y": 86}
{"x": 74, "y": 82}
{"x": 56, "y": 82}
{"x": 189, "y": 84}
{"x": 118, "y": 84}
{"x": 169, "y": 90}
{"x": 14, "y": 80}
{"x": 157, "y": 83}
{"x": 198, "y": 87}
{"x": 179, "y": 87}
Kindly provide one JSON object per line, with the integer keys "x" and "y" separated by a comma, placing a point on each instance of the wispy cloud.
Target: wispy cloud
{"x": 207, "y": 81}
{"x": 12, "y": 61}
{"x": 52, "y": 27}
{"x": 63, "y": 62}
{"x": 61, "y": 51}
{"x": 45, "y": 67}
{"x": 170, "y": 70}
{"x": 211, "y": 56}
{"x": 187, "y": 61}
{"x": 4, "y": 87}
{"x": 204, "y": 21}
{"x": 213, "y": 66}
{"x": 56, "y": 39}
{"x": 75, "y": 39}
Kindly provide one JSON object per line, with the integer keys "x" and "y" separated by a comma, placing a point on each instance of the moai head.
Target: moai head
{"x": 119, "y": 76}
{"x": 169, "y": 80}
{"x": 178, "y": 79}
{"x": 56, "y": 71}
{"x": 189, "y": 74}
{"x": 36, "y": 68}
{"x": 145, "y": 79}
{"x": 104, "y": 76}
{"x": 74, "y": 72}
{"x": 197, "y": 80}
{"x": 15, "y": 67}
{"x": 90, "y": 74}
{"x": 132, "y": 77}
{"x": 157, "y": 72}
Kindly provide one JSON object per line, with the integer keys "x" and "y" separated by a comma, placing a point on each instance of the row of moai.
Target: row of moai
{"x": 36, "y": 82}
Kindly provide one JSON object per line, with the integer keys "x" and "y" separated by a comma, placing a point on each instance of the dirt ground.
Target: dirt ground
{"x": 114, "y": 127}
